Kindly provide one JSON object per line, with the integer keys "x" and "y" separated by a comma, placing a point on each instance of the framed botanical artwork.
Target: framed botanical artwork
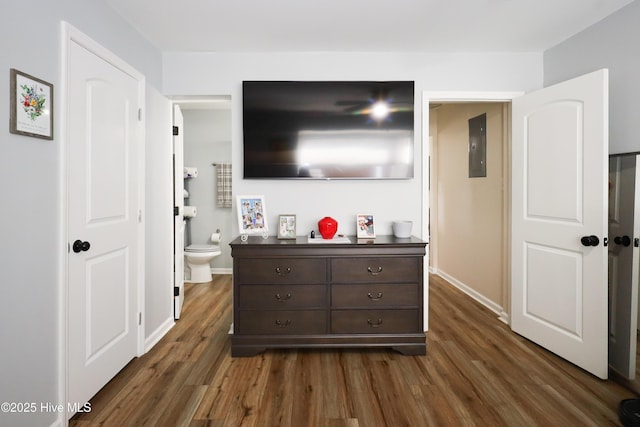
{"x": 365, "y": 227}
{"x": 286, "y": 226}
{"x": 31, "y": 106}
{"x": 252, "y": 215}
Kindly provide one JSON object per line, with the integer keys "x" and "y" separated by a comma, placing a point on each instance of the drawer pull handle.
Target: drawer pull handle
{"x": 374, "y": 324}
{"x": 374, "y": 298}
{"x": 282, "y": 272}
{"x": 374, "y": 273}
{"x": 286, "y": 297}
{"x": 284, "y": 324}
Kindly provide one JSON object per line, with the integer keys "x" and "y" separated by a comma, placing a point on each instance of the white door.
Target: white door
{"x": 104, "y": 142}
{"x": 178, "y": 196}
{"x": 624, "y": 263}
{"x": 559, "y": 219}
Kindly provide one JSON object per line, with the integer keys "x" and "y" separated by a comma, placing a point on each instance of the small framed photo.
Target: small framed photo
{"x": 252, "y": 215}
{"x": 31, "y": 106}
{"x": 365, "y": 227}
{"x": 286, "y": 226}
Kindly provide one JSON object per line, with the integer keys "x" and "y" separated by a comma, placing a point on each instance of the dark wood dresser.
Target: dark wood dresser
{"x": 296, "y": 294}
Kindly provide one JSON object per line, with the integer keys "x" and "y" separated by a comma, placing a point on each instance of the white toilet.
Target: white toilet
{"x": 197, "y": 259}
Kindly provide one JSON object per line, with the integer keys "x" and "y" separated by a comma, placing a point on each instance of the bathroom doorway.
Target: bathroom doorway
{"x": 203, "y": 142}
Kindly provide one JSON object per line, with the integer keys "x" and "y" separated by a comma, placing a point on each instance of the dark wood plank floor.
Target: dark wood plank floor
{"x": 476, "y": 373}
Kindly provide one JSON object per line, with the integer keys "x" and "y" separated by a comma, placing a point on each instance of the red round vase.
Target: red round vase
{"x": 327, "y": 227}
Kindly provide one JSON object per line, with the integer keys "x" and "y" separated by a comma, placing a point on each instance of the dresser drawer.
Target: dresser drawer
{"x": 376, "y": 270}
{"x": 281, "y": 322}
{"x": 281, "y": 271}
{"x": 375, "y": 295}
{"x": 282, "y": 296}
{"x": 375, "y": 321}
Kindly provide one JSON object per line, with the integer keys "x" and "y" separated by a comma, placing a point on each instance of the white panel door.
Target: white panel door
{"x": 179, "y": 225}
{"x": 104, "y": 139}
{"x": 624, "y": 263}
{"x": 559, "y": 195}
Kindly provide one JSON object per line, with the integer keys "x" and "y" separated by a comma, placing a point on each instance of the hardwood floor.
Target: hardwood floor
{"x": 476, "y": 373}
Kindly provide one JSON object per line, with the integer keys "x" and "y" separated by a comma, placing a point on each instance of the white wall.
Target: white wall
{"x": 612, "y": 43}
{"x": 32, "y": 247}
{"x": 222, "y": 74}
{"x": 207, "y": 140}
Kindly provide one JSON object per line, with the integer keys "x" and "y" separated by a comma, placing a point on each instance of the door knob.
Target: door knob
{"x": 624, "y": 240}
{"x": 79, "y": 246}
{"x": 590, "y": 240}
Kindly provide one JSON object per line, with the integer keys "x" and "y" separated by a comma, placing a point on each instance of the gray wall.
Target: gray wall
{"x": 207, "y": 140}
{"x": 32, "y": 247}
{"x": 612, "y": 43}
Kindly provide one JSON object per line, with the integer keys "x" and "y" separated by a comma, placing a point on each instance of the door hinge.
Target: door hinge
{"x": 605, "y": 241}
{"x": 139, "y": 215}
{"x": 176, "y": 130}
{"x": 176, "y": 211}
{"x": 176, "y": 291}
{"x": 140, "y": 318}
{"x": 139, "y": 114}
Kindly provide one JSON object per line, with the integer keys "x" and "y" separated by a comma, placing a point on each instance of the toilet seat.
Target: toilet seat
{"x": 197, "y": 260}
{"x": 202, "y": 248}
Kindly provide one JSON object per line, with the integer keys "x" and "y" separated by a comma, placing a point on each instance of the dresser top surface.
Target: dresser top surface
{"x": 341, "y": 241}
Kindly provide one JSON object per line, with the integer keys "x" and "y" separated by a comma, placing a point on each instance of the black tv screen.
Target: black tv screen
{"x": 328, "y": 129}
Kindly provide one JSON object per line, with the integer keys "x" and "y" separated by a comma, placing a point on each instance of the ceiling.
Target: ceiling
{"x": 361, "y": 25}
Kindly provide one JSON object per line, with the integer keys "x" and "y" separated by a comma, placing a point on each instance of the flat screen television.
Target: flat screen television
{"x": 328, "y": 129}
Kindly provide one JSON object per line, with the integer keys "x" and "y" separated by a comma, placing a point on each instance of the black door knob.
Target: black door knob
{"x": 622, "y": 240}
{"x": 79, "y": 246}
{"x": 590, "y": 240}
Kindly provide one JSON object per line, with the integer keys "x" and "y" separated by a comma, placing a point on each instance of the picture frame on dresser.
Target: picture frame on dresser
{"x": 286, "y": 226}
{"x": 365, "y": 226}
{"x": 252, "y": 215}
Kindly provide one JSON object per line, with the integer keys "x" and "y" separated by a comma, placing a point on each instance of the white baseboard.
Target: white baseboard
{"x": 504, "y": 318}
{"x": 496, "y": 308}
{"x": 157, "y": 335}
{"x": 220, "y": 270}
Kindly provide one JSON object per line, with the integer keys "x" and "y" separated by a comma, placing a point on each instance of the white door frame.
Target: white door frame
{"x": 456, "y": 96}
{"x": 71, "y": 34}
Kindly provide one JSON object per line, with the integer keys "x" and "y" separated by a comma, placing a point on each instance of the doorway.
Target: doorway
{"x": 469, "y": 215}
{"x": 202, "y": 142}
{"x": 546, "y": 140}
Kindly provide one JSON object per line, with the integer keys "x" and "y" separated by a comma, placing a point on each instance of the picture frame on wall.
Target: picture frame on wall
{"x": 365, "y": 226}
{"x": 286, "y": 226}
{"x": 31, "y": 106}
{"x": 252, "y": 215}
